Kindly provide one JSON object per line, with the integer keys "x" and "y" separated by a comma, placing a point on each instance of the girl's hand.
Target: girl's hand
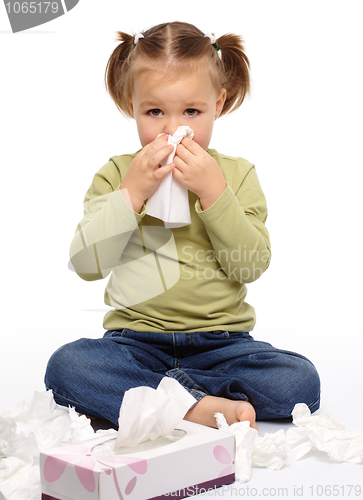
{"x": 199, "y": 172}
{"x": 144, "y": 174}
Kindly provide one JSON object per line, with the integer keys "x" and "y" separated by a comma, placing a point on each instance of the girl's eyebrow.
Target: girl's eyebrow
{"x": 149, "y": 104}
{"x": 197, "y": 104}
{"x": 156, "y": 104}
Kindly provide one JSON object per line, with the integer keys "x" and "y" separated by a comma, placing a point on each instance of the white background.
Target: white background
{"x": 302, "y": 128}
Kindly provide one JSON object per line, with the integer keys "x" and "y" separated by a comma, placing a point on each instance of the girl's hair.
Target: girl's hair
{"x": 178, "y": 44}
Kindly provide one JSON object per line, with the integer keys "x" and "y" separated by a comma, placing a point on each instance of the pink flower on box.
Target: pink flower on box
{"x": 223, "y": 456}
{"x": 55, "y": 465}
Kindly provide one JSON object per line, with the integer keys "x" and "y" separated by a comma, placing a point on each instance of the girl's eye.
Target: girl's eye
{"x": 191, "y": 112}
{"x": 154, "y": 112}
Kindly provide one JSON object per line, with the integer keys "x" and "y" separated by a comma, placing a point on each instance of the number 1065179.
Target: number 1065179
{"x": 32, "y": 7}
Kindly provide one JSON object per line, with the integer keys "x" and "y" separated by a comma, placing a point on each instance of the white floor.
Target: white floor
{"x": 337, "y": 355}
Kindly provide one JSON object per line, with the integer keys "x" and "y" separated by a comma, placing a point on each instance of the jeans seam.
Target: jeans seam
{"x": 174, "y": 351}
{"x": 197, "y": 388}
{"x": 317, "y": 401}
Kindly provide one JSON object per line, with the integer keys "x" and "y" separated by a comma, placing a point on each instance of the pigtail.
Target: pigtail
{"x": 116, "y": 68}
{"x": 236, "y": 69}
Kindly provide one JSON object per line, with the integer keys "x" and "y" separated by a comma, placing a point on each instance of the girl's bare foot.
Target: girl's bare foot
{"x": 233, "y": 411}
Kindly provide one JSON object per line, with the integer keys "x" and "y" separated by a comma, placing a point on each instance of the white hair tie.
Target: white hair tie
{"x": 212, "y": 38}
{"x": 137, "y": 37}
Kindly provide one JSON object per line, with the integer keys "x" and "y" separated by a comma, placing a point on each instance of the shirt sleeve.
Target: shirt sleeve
{"x": 235, "y": 224}
{"x": 106, "y": 227}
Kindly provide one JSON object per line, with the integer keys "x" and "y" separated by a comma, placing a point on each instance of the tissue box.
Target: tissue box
{"x": 195, "y": 459}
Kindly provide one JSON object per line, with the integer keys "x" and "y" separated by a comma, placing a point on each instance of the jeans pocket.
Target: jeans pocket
{"x": 114, "y": 333}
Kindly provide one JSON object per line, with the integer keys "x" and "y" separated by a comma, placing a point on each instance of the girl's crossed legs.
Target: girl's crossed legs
{"x": 226, "y": 372}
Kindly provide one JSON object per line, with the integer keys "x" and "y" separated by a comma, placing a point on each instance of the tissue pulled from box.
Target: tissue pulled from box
{"x": 148, "y": 413}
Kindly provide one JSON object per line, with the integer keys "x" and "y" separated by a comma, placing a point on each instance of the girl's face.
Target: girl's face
{"x": 160, "y": 105}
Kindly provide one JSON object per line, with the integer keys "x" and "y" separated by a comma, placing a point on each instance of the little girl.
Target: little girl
{"x": 178, "y": 295}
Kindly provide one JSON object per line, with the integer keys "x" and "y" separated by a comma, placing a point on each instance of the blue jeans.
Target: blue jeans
{"x": 93, "y": 374}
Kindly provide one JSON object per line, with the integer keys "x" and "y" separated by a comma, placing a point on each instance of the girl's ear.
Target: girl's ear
{"x": 221, "y": 99}
{"x": 131, "y": 107}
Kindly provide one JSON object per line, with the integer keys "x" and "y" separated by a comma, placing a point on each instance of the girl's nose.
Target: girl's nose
{"x": 170, "y": 127}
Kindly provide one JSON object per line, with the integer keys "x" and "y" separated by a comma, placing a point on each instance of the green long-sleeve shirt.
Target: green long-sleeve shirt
{"x": 191, "y": 278}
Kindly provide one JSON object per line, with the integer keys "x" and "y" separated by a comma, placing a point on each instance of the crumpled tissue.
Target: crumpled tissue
{"x": 245, "y": 440}
{"x": 170, "y": 201}
{"x": 148, "y": 413}
{"x": 321, "y": 432}
{"x": 27, "y": 429}
{"x": 324, "y": 433}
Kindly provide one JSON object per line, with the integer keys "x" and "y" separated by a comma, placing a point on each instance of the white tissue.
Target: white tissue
{"x": 170, "y": 201}
{"x": 147, "y": 413}
{"x": 27, "y": 429}
{"x": 324, "y": 433}
{"x": 245, "y": 439}
{"x": 321, "y": 432}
